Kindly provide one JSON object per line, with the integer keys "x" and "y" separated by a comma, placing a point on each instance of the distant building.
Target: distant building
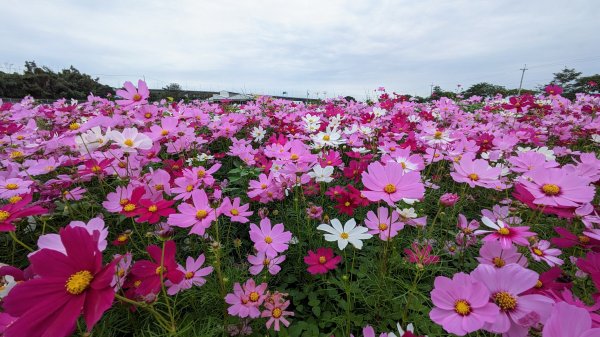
{"x": 230, "y": 96}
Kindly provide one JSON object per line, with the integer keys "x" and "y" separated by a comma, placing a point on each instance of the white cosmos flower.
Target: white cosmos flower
{"x": 258, "y": 133}
{"x": 130, "y": 140}
{"x": 321, "y": 174}
{"x": 407, "y": 213}
{"x": 349, "y": 233}
{"x": 361, "y": 149}
{"x": 414, "y": 118}
{"x": 90, "y": 140}
{"x": 543, "y": 150}
{"x": 331, "y": 137}
{"x": 6, "y": 285}
{"x": 378, "y": 112}
{"x": 596, "y": 138}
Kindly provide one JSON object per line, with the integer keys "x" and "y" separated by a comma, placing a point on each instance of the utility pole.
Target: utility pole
{"x": 431, "y": 91}
{"x": 522, "y": 75}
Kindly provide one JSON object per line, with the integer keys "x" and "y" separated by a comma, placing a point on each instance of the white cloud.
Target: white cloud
{"x": 269, "y": 46}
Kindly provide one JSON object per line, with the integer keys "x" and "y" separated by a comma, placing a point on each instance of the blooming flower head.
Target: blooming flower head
{"x": 130, "y": 140}
{"x": 261, "y": 261}
{"x": 476, "y": 172}
{"x": 557, "y": 187}
{"x": 193, "y": 275}
{"x": 234, "y": 211}
{"x": 493, "y": 253}
{"x": 14, "y": 211}
{"x": 270, "y": 240}
{"x": 507, "y": 235}
{"x": 275, "y": 307}
{"x": 67, "y": 284}
{"x": 151, "y": 273}
{"x": 569, "y": 320}
{"x": 383, "y": 224}
{"x": 449, "y": 199}
{"x": 95, "y": 227}
{"x": 132, "y": 96}
{"x": 421, "y": 255}
{"x": 13, "y": 186}
{"x": 390, "y": 184}
{"x": 198, "y": 215}
{"x": 322, "y": 174}
{"x": 518, "y": 312}
{"x": 461, "y": 304}
{"x": 350, "y": 233}
{"x": 322, "y": 261}
{"x": 541, "y": 251}
{"x": 246, "y": 299}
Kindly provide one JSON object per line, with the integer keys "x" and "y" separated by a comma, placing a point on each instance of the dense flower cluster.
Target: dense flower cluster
{"x": 331, "y": 217}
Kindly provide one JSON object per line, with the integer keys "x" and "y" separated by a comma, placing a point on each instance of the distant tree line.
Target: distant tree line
{"x": 42, "y": 82}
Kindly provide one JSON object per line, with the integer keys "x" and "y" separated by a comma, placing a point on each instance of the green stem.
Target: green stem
{"x": 15, "y": 239}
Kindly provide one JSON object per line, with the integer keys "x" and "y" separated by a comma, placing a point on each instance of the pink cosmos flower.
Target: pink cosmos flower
{"x": 569, "y": 320}
{"x": 235, "y": 211}
{"x": 13, "y": 186}
{"x": 322, "y": 261}
{"x": 193, "y": 275}
{"x": 66, "y": 286}
{"x": 261, "y": 261}
{"x": 518, "y": 312}
{"x": 504, "y": 233}
{"x": 75, "y": 194}
{"x": 199, "y": 216}
{"x": 390, "y": 184}
{"x": 492, "y": 253}
{"x": 476, "y": 172}
{"x": 246, "y": 299}
{"x": 275, "y": 309}
{"x": 449, "y": 199}
{"x": 557, "y": 187}
{"x": 121, "y": 270}
{"x": 185, "y": 187}
{"x": 529, "y": 161}
{"x": 116, "y": 200}
{"x": 270, "y": 240}
{"x": 165, "y": 129}
{"x": 386, "y": 226}
{"x": 95, "y": 227}
{"x": 541, "y": 251}
{"x": 132, "y": 96}
{"x": 462, "y": 304}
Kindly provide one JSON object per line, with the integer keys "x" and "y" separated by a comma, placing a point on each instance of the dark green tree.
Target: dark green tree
{"x": 567, "y": 78}
{"x": 484, "y": 89}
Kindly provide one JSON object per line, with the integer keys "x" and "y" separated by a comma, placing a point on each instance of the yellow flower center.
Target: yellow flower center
{"x": 74, "y": 126}
{"x": 16, "y": 154}
{"x": 503, "y": 231}
{"x": 189, "y": 188}
{"x": 389, "y": 188}
{"x": 268, "y": 239}
{"x": 498, "y": 262}
{"x": 137, "y": 98}
{"x": 164, "y": 132}
{"x": 505, "y": 301}
{"x": 12, "y": 186}
{"x": 254, "y": 296}
{"x": 326, "y": 138}
{"x": 124, "y": 202}
{"x": 160, "y": 269}
{"x": 347, "y": 203}
{"x": 137, "y": 283}
{"x": 392, "y": 149}
{"x": 201, "y": 174}
{"x": 383, "y": 226}
{"x": 322, "y": 259}
{"x": 201, "y": 214}
{"x": 266, "y": 262}
{"x": 159, "y": 187}
{"x": 584, "y": 239}
{"x": 538, "y": 252}
{"x": 189, "y": 275}
{"x": 438, "y": 135}
{"x": 128, "y": 142}
{"x": 129, "y": 207}
{"x": 551, "y": 189}
{"x": 538, "y": 284}
{"x": 152, "y": 208}
{"x": 462, "y": 307}
{"x": 17, "y": 198}
{"x": 473, "y": 177}
{"x": 20, "y": 137}
{"x": 96, "y": 169}
{"x": 78, "y": 282}
{"x": 122, "y": 164}
{"x": 276, "y": 313}
{"x": 234, "y": 212}
{"x": 121, "y": 272}
{"x": 148, "y": 115}
{"x": 4, "y": 215}
{"x": 403, "y": 164}
{"x": 294, "y": 156}
{"x": 122, "y": 237}
{"x": 263, "y": 186}
{"x": 344, "y": 236}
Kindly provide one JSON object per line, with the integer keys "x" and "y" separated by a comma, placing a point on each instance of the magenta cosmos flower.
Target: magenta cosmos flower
{"x": 15, "y": 210}
{"x": 390, "y": 184}
{"x": 246, "y": 299}
{"x": 476, "y": 173}
{"x": 383, "y": 224}
{"x": 199, "y": 216}
{"x": 462, "y": 304}
{"x": 557, "y": 187}
{"x": 66, "y": 286}
{"x": 322, "y": 261}
{"x": 133, "y": 96}
{"x": 568, "y": 320}
{"x": 518, "y": 312}
{"x": 270, "y": 240}
{"x": 149, "y": 273}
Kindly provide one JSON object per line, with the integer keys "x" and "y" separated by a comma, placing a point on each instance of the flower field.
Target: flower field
{"x": 125, "y": 217}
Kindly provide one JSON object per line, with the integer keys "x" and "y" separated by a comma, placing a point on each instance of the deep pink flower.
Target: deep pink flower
{"x": 151, "y": 211}
{"x": 66, "y": 286}
{"x": 151, "y": 272}
{"x": 449, "y": 199}
{"x": 518, "y": 312}
{"x": 462, "y": 304}
{"x": 421, "y": 254}
{"x": 12, "y": 212}
{"x": 270, "y": 240}
{"x": 322, "y": 261}
{"x": 390, "y": 184}
{"x": 553, "y": 89}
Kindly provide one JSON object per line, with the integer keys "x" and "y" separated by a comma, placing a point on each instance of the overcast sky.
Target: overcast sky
{"x": 341, "y": 47}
